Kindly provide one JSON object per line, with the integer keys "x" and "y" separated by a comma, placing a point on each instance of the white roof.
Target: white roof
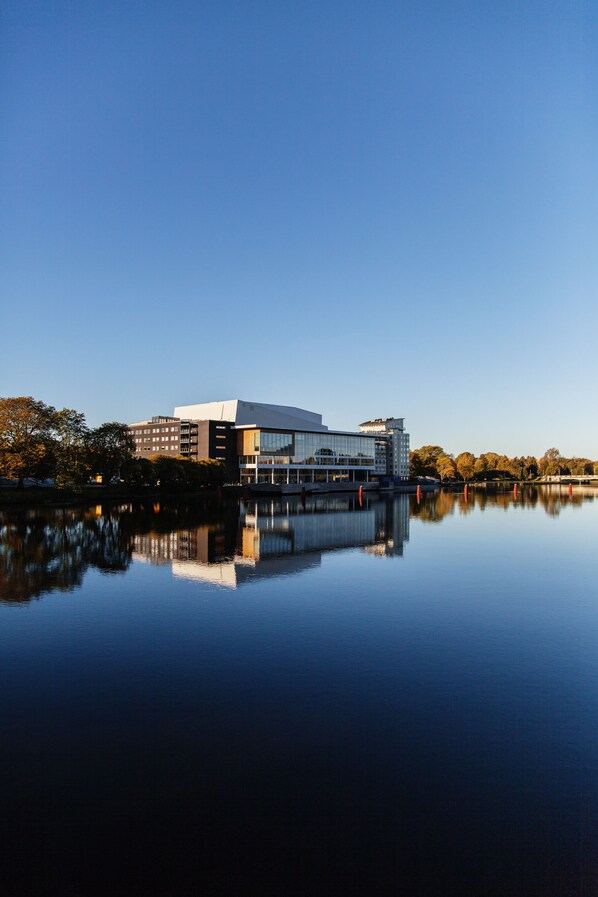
{"x": 257, "y": 414}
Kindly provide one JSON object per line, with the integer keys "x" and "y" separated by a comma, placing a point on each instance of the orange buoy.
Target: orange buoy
{"x": 418, "y": 494}
{"x": 465, "y": 490}
{"x": 570, "y": 490}
{"x": 515, "y": 491}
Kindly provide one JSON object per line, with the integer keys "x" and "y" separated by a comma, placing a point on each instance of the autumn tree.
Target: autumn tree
{"x": 550, "y": 463}
{"x": 489, "y": 459}
{"x": 446, "y": 467}
{"x": 465, "y": 465}
{"x": 423, "y": 461}
{"x": 26, "y": 438}
{"x": 580, "y": 466}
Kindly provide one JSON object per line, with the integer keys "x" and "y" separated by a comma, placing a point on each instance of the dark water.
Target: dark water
{"x": 390, "y": 698}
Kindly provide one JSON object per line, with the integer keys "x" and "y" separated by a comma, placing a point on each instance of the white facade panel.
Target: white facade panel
{"x": 255, "y": 414}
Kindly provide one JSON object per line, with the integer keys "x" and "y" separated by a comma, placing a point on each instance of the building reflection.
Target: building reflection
{"x": 230, "y": 543}
{"x": 278, "y": 537}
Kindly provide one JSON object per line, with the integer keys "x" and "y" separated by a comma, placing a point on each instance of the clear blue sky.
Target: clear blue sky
{"x": 364, "y": 209}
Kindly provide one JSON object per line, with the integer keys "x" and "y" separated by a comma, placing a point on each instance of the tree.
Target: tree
{"x": 580, "y": 466}
{"x": 109, "y": 448}
{"x": 139, "y": 472}
{"x": 26, "y": 438}
{"x": 550, "y": 463}
{"x": 446, "y": 467}
{"x": 490, "y": 461}
{"x": 481, "y": 464}
{"x": 70, "y": 448}
{"x": 169, "y": 471}
{"x": 465, "y": 465}
{"x": 423, "y": 461}
{"x": 213, "y": 472}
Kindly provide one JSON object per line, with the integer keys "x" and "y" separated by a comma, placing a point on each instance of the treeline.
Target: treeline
{"x": 433, "y": 461}
{"x": 39, "y": 442}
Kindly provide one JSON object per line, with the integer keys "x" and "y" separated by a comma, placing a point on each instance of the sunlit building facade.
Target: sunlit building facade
{"x": 279, "y": 445}
{"x": 189, "y": 439}
{"x": 293, "y": 456}
{"x": 392, "y": 445}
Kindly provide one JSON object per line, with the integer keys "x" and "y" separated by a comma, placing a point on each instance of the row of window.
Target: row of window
{"x": 156, "y": 430}
{"x": 305, "y": 445}
{"x": 312, "y": 460}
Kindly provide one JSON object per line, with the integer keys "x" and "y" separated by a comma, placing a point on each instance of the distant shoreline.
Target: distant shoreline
{"x": 49, "y": 496}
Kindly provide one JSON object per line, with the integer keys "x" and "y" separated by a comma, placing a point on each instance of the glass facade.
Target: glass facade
{"x": 310, "y": 449}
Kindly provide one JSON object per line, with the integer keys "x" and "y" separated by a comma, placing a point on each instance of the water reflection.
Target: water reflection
{"x": 434, "y": 508}
{"x": 45, "y": 551}
{"x": 229, "y": 544}
{"x": 278, "y": 537}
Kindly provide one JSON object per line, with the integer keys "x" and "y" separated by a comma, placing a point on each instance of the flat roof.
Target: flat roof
{"x": 306, "y": 430}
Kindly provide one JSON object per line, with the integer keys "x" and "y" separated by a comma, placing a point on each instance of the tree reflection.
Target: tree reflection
{"x": 436, "y": 506}
{"x": 50, "y": 550}
{"x": 47, "y": 551}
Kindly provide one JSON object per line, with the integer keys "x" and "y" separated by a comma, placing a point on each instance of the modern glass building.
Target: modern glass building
{"x": 294, "y": 456}
{"x": 281, "y": 444}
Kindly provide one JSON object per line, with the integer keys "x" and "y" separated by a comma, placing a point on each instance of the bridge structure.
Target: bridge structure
{"x": 568, "y": 479}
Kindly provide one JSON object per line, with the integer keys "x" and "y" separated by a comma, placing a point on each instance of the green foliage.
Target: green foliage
{"x": 139, "y": 472}
{"x": 110, "y": 447}
{"x": 71, "y": 457}
{"x": 423, "y": 461}
{"x": 169, "y": 472}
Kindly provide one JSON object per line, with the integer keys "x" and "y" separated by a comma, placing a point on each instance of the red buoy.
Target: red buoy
{"x": 570, "y": 490}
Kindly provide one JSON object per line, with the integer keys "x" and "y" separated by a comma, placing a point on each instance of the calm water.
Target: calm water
{"x": 393, "y": 698}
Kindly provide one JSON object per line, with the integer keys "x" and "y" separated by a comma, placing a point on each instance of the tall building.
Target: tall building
{"x": 277, "y": 444}
{"x": 392, "y": 445}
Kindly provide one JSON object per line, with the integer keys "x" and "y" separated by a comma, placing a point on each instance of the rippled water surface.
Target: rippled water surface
{"x": 295, "y": 698}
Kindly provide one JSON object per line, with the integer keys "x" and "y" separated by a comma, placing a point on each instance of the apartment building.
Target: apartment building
{"x": 190, "y": 439}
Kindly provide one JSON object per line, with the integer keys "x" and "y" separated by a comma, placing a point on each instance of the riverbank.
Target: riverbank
{"x": 49, "y": 496}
